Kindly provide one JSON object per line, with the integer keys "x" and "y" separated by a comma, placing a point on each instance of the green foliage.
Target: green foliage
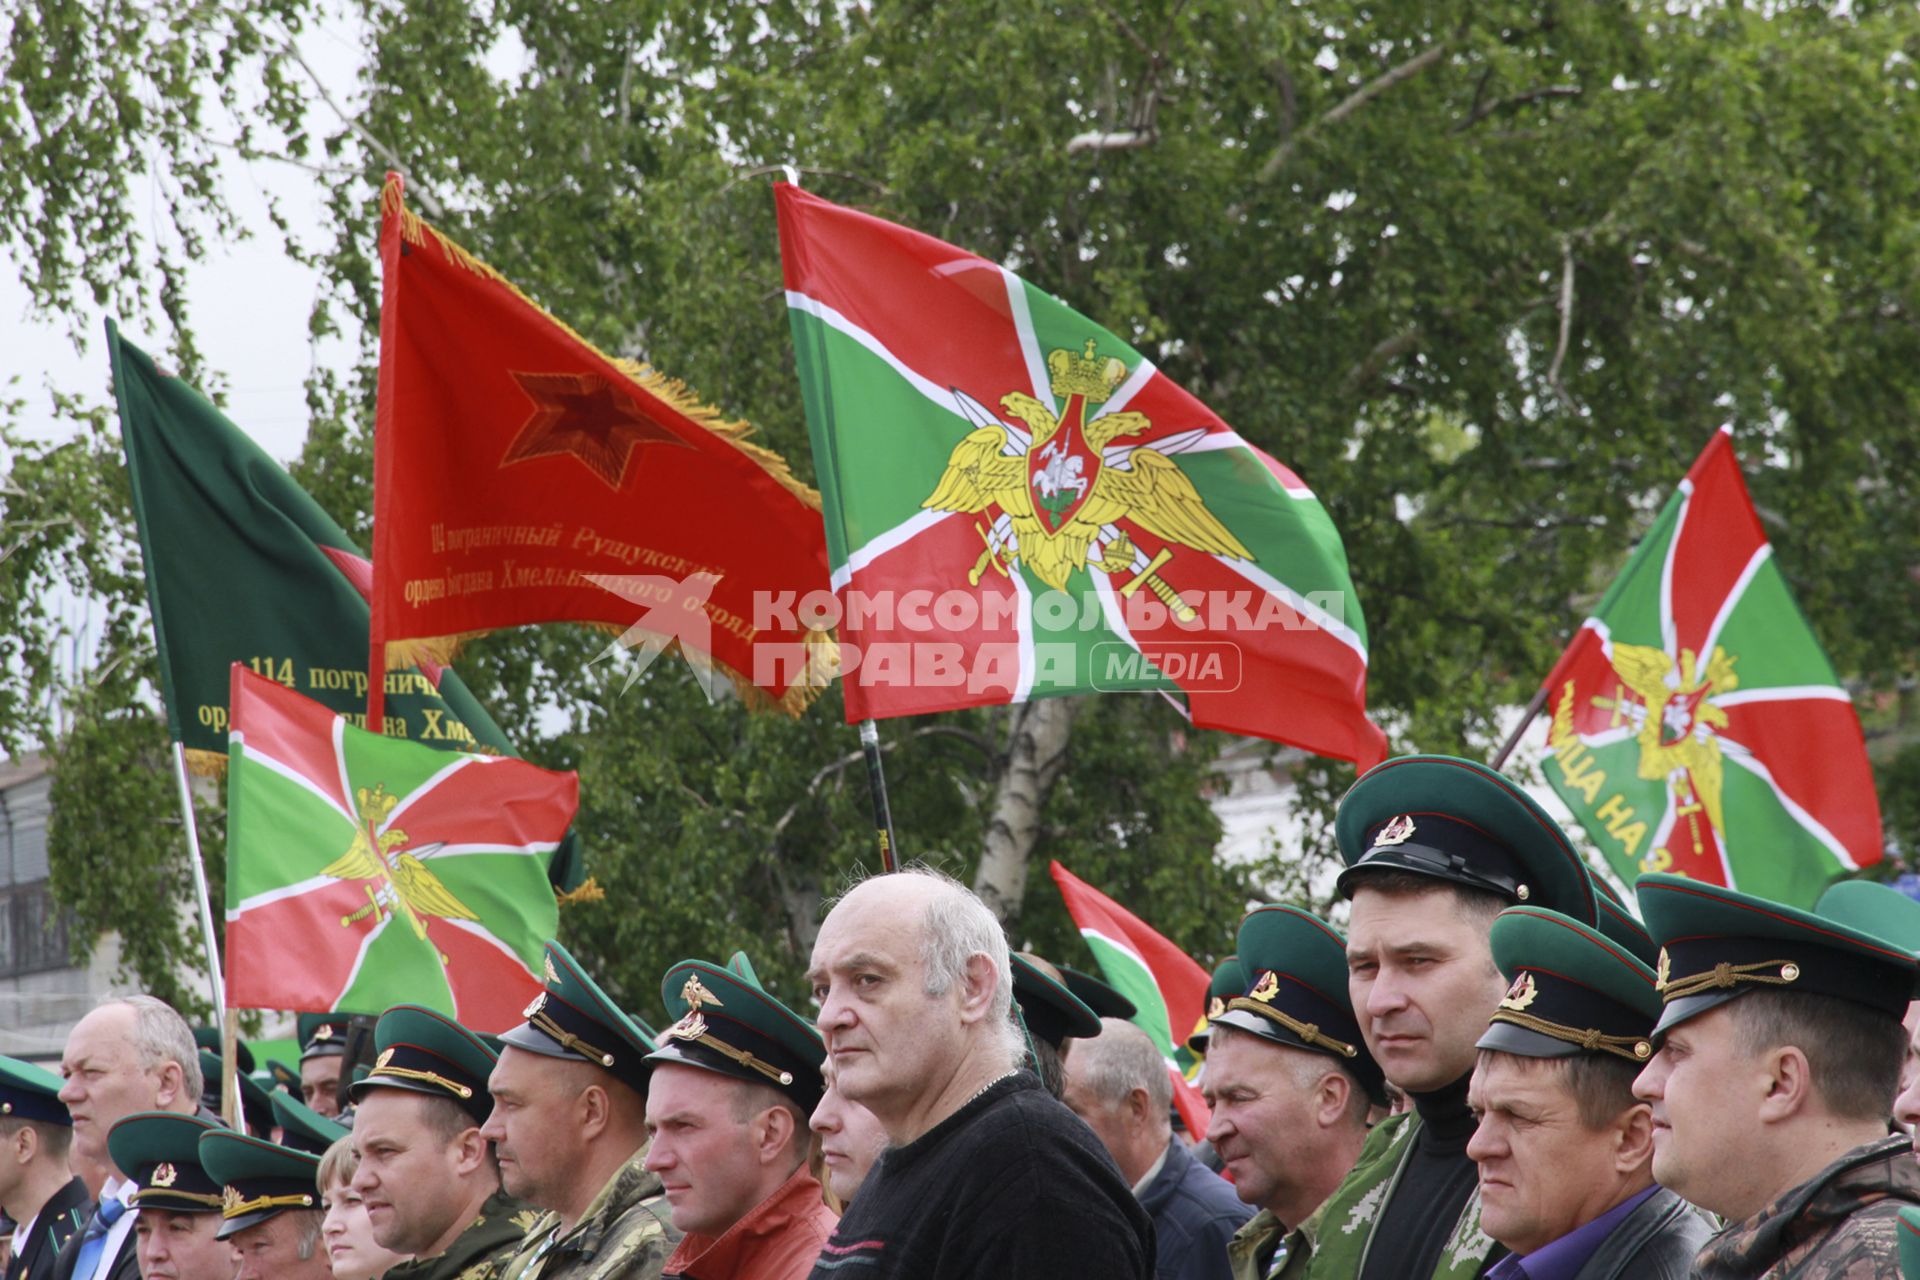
{"x": 1486, "y": 276}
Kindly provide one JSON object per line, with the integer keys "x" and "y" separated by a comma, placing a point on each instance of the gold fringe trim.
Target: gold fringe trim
{"x": 589, "y": 891}
{"x": 440, "y": 650}
{"x": 415, "y": 230}
{"x": 203, "y": 763}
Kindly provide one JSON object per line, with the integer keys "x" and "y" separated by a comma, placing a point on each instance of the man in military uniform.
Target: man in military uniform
{"x": 1291, "y": 1084}
{"x": 1776, "y": 1061}
{"x": 1228, "y": 981}
{"x": 323, "y": 1046}
{"x": 37, "y": 1189}
{"x": 569, "y": 1125}
{"x": 269, "y": 1206}
{"x": 299, "y": 1126}
{"x": 428, "y": 1179}
{"x": 1565, "y": 1151}
{"x": 734, "y": 1080}
{"x": 1435, "y": 848}
{"x": 1052, "y": 1015}
{"x": 177, "y": 1232}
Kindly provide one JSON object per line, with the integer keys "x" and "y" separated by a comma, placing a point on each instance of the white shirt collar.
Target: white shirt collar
{"x": 1146, "y": 1179}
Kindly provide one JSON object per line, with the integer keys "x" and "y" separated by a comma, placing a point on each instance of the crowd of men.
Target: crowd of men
{"x": 1498, "y": 1071}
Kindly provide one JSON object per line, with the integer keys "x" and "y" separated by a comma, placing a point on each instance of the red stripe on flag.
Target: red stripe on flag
{"x": 943, "y": 312}
{"x": 476, "y": 802}
{"x": 1717, "y": 539}
{"x": 1182, "y": 982}
{"x": 296, "y": 732}
{"x": 288, "y": 955}
{"x": 1796, "y": 740}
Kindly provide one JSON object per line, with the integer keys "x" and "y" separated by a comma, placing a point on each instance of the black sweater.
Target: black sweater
{"x": 1013, "y": 1186}
{"x": 1416, "y": 1224}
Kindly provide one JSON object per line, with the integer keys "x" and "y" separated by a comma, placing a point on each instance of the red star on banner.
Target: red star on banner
{"x": 584, "y": 415}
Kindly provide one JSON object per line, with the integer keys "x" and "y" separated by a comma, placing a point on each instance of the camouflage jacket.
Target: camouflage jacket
{"x": 482, "y": 1251}
{"x": 625, "y": 1234}
{"x": 1842, "y": 1224}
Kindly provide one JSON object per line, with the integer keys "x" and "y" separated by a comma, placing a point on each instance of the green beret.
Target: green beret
{"x": 573, "y": 1019}
{"x": 1297, "y": 990}
{"x": 1048, "y": 1007}
{"x": 257, "y": 1178}
{"x": 1878, "y": 909}
{"x": 1573, "y": 990}
{"x": 1460, "y": 822}
{"x": 1229, "y": 980}
{"x": 1097, "y": 995}
{"x": 1718, "y": 943}
{"x": 733, "y": 1027}
{"x": 426, "y": 1052}
{"x": 28, "y": 1092}
{"x": 160, "y": 1153}
{"x": 303, "y": 1128}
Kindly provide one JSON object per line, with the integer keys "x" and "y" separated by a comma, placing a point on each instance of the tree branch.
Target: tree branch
{"x": 1566, "y": 326}
{"x": 1380, "y": 357}
{"x": 433, "y": 207}
{"x": 1481, "y": 110}
{"x": 1353, "y": 102}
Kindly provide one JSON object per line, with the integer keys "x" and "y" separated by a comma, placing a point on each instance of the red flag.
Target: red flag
{"x": 522, "y": 476}
{"x": 1166, "y": 985}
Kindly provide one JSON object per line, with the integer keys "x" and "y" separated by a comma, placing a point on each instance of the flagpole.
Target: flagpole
{"x": 200, "y": 882}
{"x": 1526, "y": 721}
{"x": 882, "y": 814}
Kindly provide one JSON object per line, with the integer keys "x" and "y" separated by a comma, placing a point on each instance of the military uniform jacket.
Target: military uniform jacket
{"x": 1335, "y": 1248}
{"x": 625, "y": 1234}
{"x": 1841, "y": 1224}
{"x": 482, "y": 1251}
{"x": 1254, "y": 1252}
{"x": 58, "y": 1221}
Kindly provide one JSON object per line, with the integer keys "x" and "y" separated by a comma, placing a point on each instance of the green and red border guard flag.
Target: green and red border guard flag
{"x": 365, "y": 871}
{"x": 1167, "y": 986}
{"x": 1697, "y": 726}
{"x": 522, "y": 476}
{"x": 1018, "y": 504}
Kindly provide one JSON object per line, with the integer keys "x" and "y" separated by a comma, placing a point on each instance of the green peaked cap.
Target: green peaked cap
{"x": 1296, "y": 990}
{"x": 1229, "y": 980}
{"x": 255, "y": 1107}
{"x": 1097, "y": 995}
{"x": 303, "y": 1128}
{"x": 422, "y": 1051}
{"x": 1460, "y": 822}
{"x": 573, "y": 1018}
{"x": 1718, "y": 943}
{"x": 28, "y": 1092}
{"x": 1047, "y": 1005}
{"x": 730, "y": 1025}
{"x": 284, "y": 1076}
{"x": 159, "y": 1151}
{"x": 258, "y": 1179}
{"x": 1910, "y": 1243}
{"x": 1615, "y": 919}
{"x": 208, "y": 1038}
{"x": 322, "y": 1035}
{"x": 1573, "y": 990}
{"x": 1878, "y": 909}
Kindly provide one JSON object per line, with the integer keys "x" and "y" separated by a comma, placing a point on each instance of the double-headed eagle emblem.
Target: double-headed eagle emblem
{"x": 400, "y": 883}
{"x": 1057, "y": 487}
{"x": 1677, "y": 724}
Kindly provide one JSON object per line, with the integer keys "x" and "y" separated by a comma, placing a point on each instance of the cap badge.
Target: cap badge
{"x": 165, "y": 1175}
{"x": 386, "y": 1056}
{"x": 1215, "y": 1007}
{"x": 1397, "y": 831}
{"x": 230, "y": 1200}
{"x": 695, "y": 993}
{"x": 1522, "y": 993}
{"x": 691, "y": 1027}
{"x": 1267, "y": 988}
{"x": 539, "y": 1003}
{"x": 553, "y": 975}
{"x": 1663, "y": 971}
{"x": 323, "y": 1032}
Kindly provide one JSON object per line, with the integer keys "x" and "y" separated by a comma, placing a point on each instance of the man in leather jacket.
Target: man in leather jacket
{"x": 1564, "y": 1150}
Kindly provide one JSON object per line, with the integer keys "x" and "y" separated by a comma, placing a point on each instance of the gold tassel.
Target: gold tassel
{"x": 589, "y": 891}
{"x": 441, "y": 650}
{"x": 206, "y": 764}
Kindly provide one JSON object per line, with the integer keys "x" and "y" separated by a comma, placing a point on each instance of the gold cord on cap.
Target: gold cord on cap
{"x": 541, "y": 1022}
{"x": 1632, "y": 1048}
{"x": 1307, "y": 1031}
{"x": 693, "y": 1028}
{"x": 429, "y": 1077}
{"x": 1724, "y": 976}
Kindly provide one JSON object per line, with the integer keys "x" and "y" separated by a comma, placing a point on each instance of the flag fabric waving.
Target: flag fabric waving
{"x": 364, "y": 871}
{"x": 1018, "y": 504}
{"x": 242, "y": 565}
{"x": 522, "y": 476}
{"x": 1166, "y": 985}
{"x": 1697, "y": 726}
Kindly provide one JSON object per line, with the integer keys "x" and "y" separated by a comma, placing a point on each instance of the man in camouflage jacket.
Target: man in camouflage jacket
{"x": 625, "y": 1234}
{"x": 1841, "y": 1225}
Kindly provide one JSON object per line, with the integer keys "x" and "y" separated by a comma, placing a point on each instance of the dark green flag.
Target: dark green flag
{"x": 242, "y": 565}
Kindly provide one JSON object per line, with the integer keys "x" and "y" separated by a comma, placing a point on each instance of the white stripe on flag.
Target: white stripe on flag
{"x": 906, "y": 531}
{"x": 1733, "y": 597}
{"x": 1029, "y": 344}
{"x": 1782, "y": 693}
{"x": 1739, "y": 754}
{"x": 256, "y": 755}
{"x": 284, "y": 892}
{"x": 939, "y": 397}
{"x": 1325, "y": 621}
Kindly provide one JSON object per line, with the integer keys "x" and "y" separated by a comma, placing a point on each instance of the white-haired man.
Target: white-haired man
{"x": 132, "y": 1053}
{"x": 986, "y": 1175}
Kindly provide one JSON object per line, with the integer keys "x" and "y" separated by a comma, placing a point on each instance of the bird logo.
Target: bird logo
{"x": 399, "y": 883}
{"x": 1677, "y": 720}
